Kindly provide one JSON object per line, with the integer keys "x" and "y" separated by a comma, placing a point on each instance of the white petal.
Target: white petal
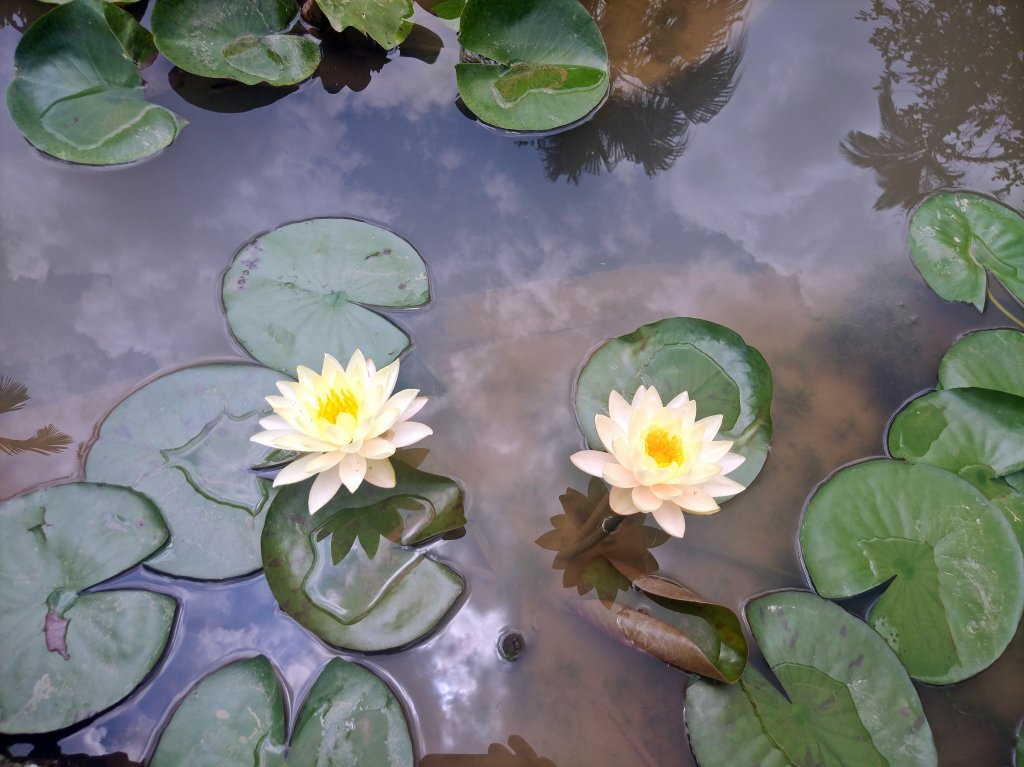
{"x": 621, "y": 501}
{"x": 651, "y": 400}
{"x": 607, "y": 430}
{"x": 711, "y": 425}
{"x": 695, "y": 500}
{"x": 730, "y": 462}
{"x": 352, "y": 469}
{"x": 380, "y": 473}
{"x": 671, "y": 519}
{"x": 618, "y": 410}
{"x": 618, "y": 475}
{"x": 680, "y": 399}
{"x": 296, "y": 471}
{"x": 402, "y": 400}
{"x": 306, "y": 376}
{"x": 293, "y": 440}
{"x": 324, "y": 461}
{"x": 287, "y": 389}
{"x": 407, "y": 432}
{"x": 388, "y": 377}
{"x": 415, "y": 407}
{"x": 280, "y": 403}
{"x": 715, "y": 451}
{"x": 376, "y": 449}
{"x": 273, "y": 423}
{"x": 638, "y": 396}
{"x": 356, "y": 366}
{"x": 666, "y": 492}
{"x": 590, "y": 461}
{"x": 325, "y": 486}
{"x": 722, "y": 487}
{"x": 645, "y": 500}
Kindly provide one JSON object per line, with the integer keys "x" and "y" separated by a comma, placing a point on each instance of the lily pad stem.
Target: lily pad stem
{"x": 1003, "y": 309}
{"x": 601, "y": 523}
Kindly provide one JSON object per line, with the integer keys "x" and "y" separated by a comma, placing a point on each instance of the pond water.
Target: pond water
{"x": 712, "y": 184}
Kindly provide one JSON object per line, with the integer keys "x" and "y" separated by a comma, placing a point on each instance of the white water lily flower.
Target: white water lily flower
{"x": 348, "y": 422}
{"x": 660, "y": 459}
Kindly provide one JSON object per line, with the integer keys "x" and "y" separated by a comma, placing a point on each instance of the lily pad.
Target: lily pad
{"x": 302, "y": 290}
{"x": 850, "y": 702}
{"x": 236, "y": 716}
{"x": 721, "y": 373}
{"x": 986, "y": 359}
{"x": 955, "y": 236}
{"x": 360, "y": 602}
{"x": 244, "y": 40}
{"x": 957, "y": 575}
{"x": 77, "y": 93}
{"x": 183, "y": 440}
{"x": 547, "y": 65}
{"x": 386, "y": 21}
{"x": 66, "y": 655}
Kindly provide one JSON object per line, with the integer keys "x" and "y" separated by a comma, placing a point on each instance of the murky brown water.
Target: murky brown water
{"x": 711, "y": 185}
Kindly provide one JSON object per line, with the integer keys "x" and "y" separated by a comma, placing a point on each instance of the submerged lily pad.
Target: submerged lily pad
{"x": 850, "y": 703}
{"x": 712, "y": 363}
{"x": 236, "y": 716}
{"x": 183, "y": 440}
{"x": 986, "y": 359}
{"x": 956, "y": 570}
{"x": 67, "y": 655}
{"x": 386, "y": 21}
{"x": 547, "y": 63}
{"x": 77, "y": 93}
{"x": 955, "y": 236}
{"x": 244, "y": 40}
{"x": 302, "y": 290}
{"x": 359, "y": 602}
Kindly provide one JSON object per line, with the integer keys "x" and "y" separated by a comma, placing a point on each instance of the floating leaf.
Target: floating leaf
{"x": 518, "y": 754}
{"x": 183, "y": 440}
{"x": 955, "y": 236}
{"x": 244, "y": 40}
{"x": 957, "y": 574}
{"x": 850, "y": 701}
{"x": 67, "y": 655}
{"x": 547, "y": 68}
{"x": 449, "y": 10}
{"x": 362, "y": 603}
{"x": 236, "y": 716}
{"x": 302, "y": 290}
{"x": 986, "y": 359}
{"x": 386, "y": 21}
{"x": 721, "y": 373}
{"x": 77, "y": 93}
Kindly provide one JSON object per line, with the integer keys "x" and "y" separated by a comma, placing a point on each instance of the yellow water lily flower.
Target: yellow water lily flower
{"x": 348, "y": 422}
{"x": 660, "y": 459}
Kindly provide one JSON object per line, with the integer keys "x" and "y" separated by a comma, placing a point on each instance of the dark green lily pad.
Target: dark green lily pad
{"x": 244, "y": 40}
{"x": 850, "y": 703}
{"x": 302, "y": 290}
{"x": 236, "y": 716}
{"x": 357, "y": 602}
{"x": 957, "y": 589}
{"x": 986, "y": 359}
{"x": 183, "y": 440}
{"x": 386, "y": 21}
{"x": 710, "y": 362}
{"x": 547, "y": 68}
{"x": 955, "y": 236}
{"x": 67, "y": 655}
{"x": 77, "y": 93}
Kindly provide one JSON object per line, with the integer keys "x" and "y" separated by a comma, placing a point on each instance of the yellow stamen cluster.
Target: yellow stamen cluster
{"x": 663, "y": 447}
{"x": 335, "y": 403}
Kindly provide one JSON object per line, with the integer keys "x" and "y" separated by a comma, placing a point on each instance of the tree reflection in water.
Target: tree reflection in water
{"x": 950, "y": 97}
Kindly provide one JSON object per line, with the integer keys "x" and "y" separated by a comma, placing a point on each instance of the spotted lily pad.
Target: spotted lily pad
{"x": 956, "y": 236}
{"x": 244, "y": 40}
{"x": 77, "y": 93}
{"x": 358, "y": 601}
{"x": 183, "y": 440}
{"x": 302, "y": 290}
{"x": 546, "y": 65}
{"x": 986, "y": 359}
{"x": 386, "y": 21}
{"x": 236, "y": 716}
{"x": 66, "y": 655}
{"x": 957, "y": 575}
{"x": 712, "y": 363}
{"x": 850, "y": 702}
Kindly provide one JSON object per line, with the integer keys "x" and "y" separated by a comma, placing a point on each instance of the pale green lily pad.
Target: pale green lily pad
{"x": 67, "y": 655}
{"x": 957, "y": 589}
{"x": 244, "y": 40}
{"x": 302, "y": 290}
{"x": 955, "y": 236}
{"x": 712, "y": 363}
{"x": 386, "y": 21}
{"x": 986, "y": 359}
{"x": 357, "y": 602}
{"x": 183, "y": 440}
{"x": 850, "y": 703}
{"x": 77, "y": 93}
{"x": 236, "y": 716}
{"x": 547, "y": 68}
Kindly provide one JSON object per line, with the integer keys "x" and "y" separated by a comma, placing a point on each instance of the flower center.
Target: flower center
{"x": 335, "y": 403}
{"x": 663, "y": 447}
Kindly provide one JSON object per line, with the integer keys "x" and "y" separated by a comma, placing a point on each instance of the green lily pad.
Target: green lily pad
{"x": 183, "y": 440}
{"x": 386, "y": 21}
{"x": 359, "y": 602}
{"x": 850, "y": 703}
{"x": 710, "y": 362}
{"x": 236, "y": 716}
{"x": 244, "y": 40}
{"x": 955, "y": 236}
{"x": 302, "y": 290}
{"x": 957, "y": 574}
{"x": 77, "y": 93}
{"x": 986, "y": 359}
{"x": 67, "y": 655}
{"x": 547, "y": 63}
